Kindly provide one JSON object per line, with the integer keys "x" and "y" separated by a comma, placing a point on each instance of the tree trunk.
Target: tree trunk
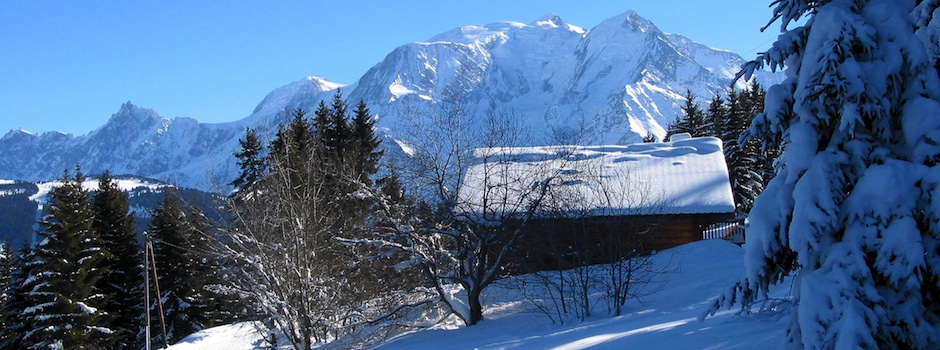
{"x": 476, "y": 308}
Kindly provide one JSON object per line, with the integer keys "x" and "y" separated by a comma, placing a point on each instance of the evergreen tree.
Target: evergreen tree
{"x": 365, "y": 145}
{"x": 852, "y": 215}
{"x": 176, "y": 269}
{"x": 649, "y": 138}
{"x": 337, "y": 135}
{"x": 766, "y": 155}
{"x": 122, "y": 280}
{"x": 717, "y": 116}
{"x": 209, "y": 307}
{"x": 744, "y": 168}
{"x": 694, "y": 116}
{"x": 7, "y": 258}
{"x": 322, "y": 122}
{"x": 250, "y": 160}
{"x": 293, "y": 147}
{"x": 64, "y": 307}
{"x": 692, "y": 121}
{"x": 15, "y": 301}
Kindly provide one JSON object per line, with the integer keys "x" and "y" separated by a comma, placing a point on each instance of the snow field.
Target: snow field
{"x": 666, "y": 320}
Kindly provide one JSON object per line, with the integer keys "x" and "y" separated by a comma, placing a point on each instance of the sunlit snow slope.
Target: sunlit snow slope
{"x": 666, "y": 320}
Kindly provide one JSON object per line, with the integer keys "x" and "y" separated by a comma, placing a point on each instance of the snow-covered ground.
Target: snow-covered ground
{"x": 666, "y": 320}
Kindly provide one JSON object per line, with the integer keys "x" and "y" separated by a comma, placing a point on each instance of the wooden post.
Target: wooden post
{"x": 146, "y": 292}
{"x": 156, "y": 287}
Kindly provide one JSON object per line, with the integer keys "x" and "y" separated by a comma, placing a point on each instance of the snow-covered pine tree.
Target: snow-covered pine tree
{"x": 852, "y": 215}
{"x": 7, "y": 265}
{"x": 122, "y": 279}
{"x": 15, "y": 301}
{"x": 742, "y": 158}
{"x": 764, "y": 155}
{"x": 64, "y": 304}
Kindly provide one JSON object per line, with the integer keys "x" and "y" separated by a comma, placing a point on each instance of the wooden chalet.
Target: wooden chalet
{"x": 600, "y": 203}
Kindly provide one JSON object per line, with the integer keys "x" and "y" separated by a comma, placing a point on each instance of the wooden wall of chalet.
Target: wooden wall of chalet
{"x": 550, "y": 244}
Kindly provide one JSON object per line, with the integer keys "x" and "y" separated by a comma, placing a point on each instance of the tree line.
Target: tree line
{"x": 750, "y": 163}
{"x": 81, "y": 285}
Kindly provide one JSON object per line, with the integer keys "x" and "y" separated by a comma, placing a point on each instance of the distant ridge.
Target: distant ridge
{"x": 611, "y": 84}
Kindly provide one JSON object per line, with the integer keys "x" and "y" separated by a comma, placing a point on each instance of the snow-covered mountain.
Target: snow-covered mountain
{"x": 611, "y": 84}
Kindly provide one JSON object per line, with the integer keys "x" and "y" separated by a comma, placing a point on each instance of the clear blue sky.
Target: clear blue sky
{"x": 68, "y": 65}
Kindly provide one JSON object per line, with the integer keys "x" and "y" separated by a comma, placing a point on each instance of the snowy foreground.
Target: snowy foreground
{"x": 667, "y": 320}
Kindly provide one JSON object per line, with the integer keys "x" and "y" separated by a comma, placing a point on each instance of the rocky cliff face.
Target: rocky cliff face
{"x": 611, "y": 84}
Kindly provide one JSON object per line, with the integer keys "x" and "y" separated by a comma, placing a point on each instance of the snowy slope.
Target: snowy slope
{"x": 611, "y": 84}
{"x": 666, "y": 320}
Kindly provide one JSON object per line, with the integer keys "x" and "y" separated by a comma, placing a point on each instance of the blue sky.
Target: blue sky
{"x": 68, "y": 65}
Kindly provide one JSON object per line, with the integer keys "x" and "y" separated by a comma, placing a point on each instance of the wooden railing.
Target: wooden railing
{"x": 729, "y": 231}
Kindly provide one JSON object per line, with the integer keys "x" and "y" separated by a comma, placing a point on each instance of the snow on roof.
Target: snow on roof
{"x": 681, "y": 177}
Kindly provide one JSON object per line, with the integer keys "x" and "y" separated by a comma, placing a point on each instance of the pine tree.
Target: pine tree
{"x": 765, "y": 155}
{"x": 694, "y": 116}
{"x": 322, "y": 122}
{"x": 337, "y": 136}
{"x": 208, "y": 307}
{"x": 678, "y": 126}
{"x": 852, "y": 214}
{"x": 742, "y": 158}
{"x": 365, "y": 145}
{"x": 692, "y": 120}
{"x": 175, "y": 268}
{"x": 294, "y": 147}
{"x": 16, "y": 323}
{"x": 250, "y": 160}
{"x": 7, "y": 265}
{"x": 717, "y": 116}
{"x": 123, "y": 276}
{"x": 65, "y": 308}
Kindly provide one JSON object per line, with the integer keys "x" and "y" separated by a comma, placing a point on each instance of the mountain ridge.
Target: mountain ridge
{"x": 614, "y": 83}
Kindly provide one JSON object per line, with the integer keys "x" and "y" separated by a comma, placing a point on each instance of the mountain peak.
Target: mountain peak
{"x": 18, "y": 134}
{"x": 323, "y": 83}
{"x": 550, "y": 20}
{"x": 619, "y": 81}
{"x": 132, "y": 116}
{"x": 630, "y": 20}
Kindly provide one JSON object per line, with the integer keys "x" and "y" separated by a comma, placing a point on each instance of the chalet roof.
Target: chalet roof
{"x": 681, "y": 177}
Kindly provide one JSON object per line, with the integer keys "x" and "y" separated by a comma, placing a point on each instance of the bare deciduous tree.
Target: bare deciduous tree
{"x": 478, "y": 205}
{"x": 592, "y": 240}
